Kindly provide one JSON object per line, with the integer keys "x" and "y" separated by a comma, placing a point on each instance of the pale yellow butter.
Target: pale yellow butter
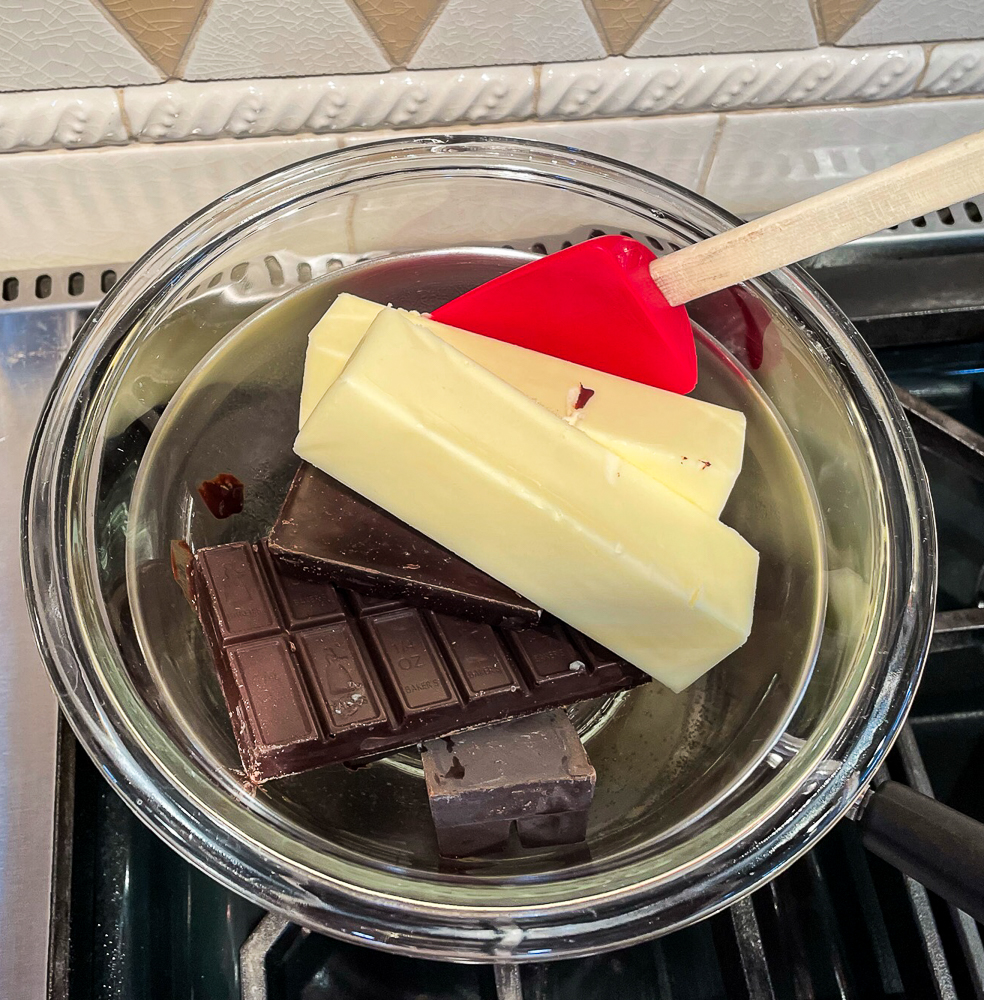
{"x": 469, "y": 460}
{"x": 693, "y": 447}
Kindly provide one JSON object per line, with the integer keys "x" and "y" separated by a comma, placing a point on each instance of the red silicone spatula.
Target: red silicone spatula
{"x": 593, "y": 303}
{"x": 611, "y": 305}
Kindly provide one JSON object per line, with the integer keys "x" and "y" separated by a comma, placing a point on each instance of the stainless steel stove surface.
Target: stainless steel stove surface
{"x": 93, "y": 905}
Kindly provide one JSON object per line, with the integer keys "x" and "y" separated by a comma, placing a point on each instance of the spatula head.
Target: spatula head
{"x": 594, "y": 304}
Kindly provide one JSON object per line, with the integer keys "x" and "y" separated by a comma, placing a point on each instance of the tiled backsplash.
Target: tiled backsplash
{"x": 755, "y": 102}
{"x": 83, "y": 43}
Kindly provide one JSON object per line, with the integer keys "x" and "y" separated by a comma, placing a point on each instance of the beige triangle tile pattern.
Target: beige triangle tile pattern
{"x": 398, "y": 23}
{"x": 688, "y": 27}
{"x": 504, "y": 32}
{"x": 838, "y": 16}
{"x": 900, "y": 21}
{"x": 622, "y": 20}
{"x": 53, "y": 44}
{"x": 160, "y": 28}
{"x": 240, "y": 39}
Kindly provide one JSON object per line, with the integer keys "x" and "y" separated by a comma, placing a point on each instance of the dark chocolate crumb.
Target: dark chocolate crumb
{"x": 223, "y": 495}
{"x": 583, "y": 396}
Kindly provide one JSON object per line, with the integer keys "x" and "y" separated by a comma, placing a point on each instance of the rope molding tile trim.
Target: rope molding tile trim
{"x": 608, "y": 88}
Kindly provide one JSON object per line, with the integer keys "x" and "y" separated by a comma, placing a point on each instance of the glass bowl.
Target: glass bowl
{"x": 191, "y": 367}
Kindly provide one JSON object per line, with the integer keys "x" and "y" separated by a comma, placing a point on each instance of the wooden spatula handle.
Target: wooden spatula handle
{"x": 887, "y": 197}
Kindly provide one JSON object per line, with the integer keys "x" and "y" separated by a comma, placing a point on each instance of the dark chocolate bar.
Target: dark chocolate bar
{"x": 531, "y": 771}
{"x": 313, "y": 675}
{"x": 326, "y": 529}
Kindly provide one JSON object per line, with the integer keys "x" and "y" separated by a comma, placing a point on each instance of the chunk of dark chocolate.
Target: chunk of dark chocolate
{"x": 313, "y": 675}
{"x": 326, "y": 529}
{"x": 223, "y": 495}
{"x": 533, "y": 772}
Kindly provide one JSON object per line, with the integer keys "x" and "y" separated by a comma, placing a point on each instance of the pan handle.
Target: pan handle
{"x": 929, "y": 841}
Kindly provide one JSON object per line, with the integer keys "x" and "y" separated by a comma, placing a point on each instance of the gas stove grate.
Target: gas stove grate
{"x": 839, "y": 924}
{"x": 958, "y": 445}
{"x": 812, "y": 933}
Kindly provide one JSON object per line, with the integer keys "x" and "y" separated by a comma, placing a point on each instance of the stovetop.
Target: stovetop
{"x": 127, "y": 918}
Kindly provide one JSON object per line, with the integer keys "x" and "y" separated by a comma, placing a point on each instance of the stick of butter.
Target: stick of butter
{"x": 469, "y": 460}
{"x": 693, "y": 447}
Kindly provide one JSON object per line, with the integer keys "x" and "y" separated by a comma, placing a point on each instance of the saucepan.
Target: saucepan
{"x": 191, "y": 366}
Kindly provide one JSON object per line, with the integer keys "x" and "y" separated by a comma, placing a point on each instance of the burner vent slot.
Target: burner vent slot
{"x": 946, "y": 221}
{"x": 80, "y": 287}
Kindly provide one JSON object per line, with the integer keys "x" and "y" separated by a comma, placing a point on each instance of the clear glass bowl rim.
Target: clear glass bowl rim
{"x": 443, "y": 930}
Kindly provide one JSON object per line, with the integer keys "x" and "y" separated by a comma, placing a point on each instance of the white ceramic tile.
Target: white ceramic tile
{"x": 771, "y": 158}
{"x": 102, "y": 205}
{"x": 675, "y": 147}
{"x": 438, "y": 217}
{"x": 917, "y": 21}
{"x": 954, "y": 68}
{"x": 605, "y": 88}
{"x": 480, "y": 33}
{"x": 699, "y": 26}
{"x": 71, "y": 119}
{"x": 240, "y": 108}
{"x": 243, "y": 38}
{"x": 46, "y": 44}
{"x": 618, "y": 86}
